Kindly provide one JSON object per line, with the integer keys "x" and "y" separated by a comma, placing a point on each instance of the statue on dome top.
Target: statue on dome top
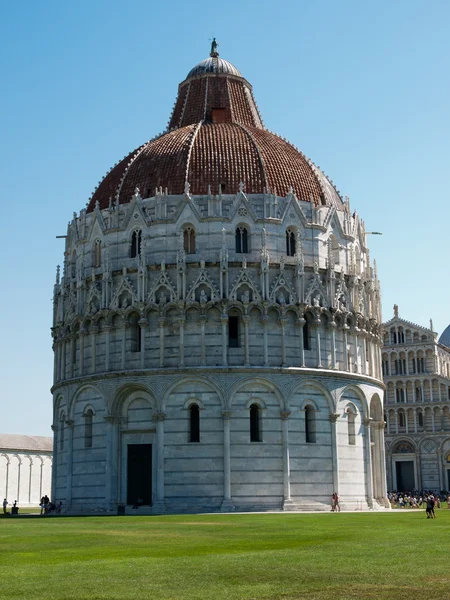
{"x": 214, "y": 46}
{"x": 395, "y": 310}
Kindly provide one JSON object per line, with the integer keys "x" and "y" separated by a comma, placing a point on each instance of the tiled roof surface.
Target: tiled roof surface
{"x": 212, "y": 147}
{"x": 25, "y": 442}
{"x": 221, "y": 153}
{"x": 445, "y": 337}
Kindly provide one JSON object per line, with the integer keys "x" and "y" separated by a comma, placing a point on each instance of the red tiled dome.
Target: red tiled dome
{"x": 216, "y": 137}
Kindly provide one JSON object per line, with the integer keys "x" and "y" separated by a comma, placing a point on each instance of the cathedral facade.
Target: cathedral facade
{"x": 217, "y": 326}
{"x": 416, "y": 369}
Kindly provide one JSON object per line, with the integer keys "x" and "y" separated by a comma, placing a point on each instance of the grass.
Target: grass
{"x": 233, "y": 557}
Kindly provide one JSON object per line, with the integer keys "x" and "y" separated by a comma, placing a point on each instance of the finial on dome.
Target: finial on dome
{"x": 214, "y": 46}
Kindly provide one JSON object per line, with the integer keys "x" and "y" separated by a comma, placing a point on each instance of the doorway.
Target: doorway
{"x": 139, "y": 473}
{"x": 405, "y": 475}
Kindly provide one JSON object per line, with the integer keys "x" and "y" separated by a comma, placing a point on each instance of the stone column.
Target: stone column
{"x": 202, "y": 340}
{"x": 82, "y": 338}
{"x": 368, "y": 462}
{"x": 69, "y": 424}
{"x": 161, "y": 323}
{"x": 94, "y": 330}
{"x": 181, "y": 323}
{"x": 245, "y": 321}
{"x": 143, "y": 324}
{"x": 318, "y": 353}
{"x": 159, "y": 505}
{"x": 301, "y": 323}
{"x": 396, "y": 421}
{"x": 227, "y": 504}
{"x": 264, "y": 321}
{"x": 382, "y": 453}
{"x": 123, "y": 329}
{"x": 54, "y": 465}
{"x": 72, "y": 352}
{"x": 107, "y": 329}
{"x": 333, "y": 344}
{"x": 283, "y": 322}
{"x": 364, "y": 354}
{"x": 288, "y": 504}
{"x": 224, "y": 321}
{"x": 345, "y": 329}
{"x": 415, "y": 420}
{"x": 112, "y": 461}
{"x": 334, "y": 448}
{"x": 433, "y": 424}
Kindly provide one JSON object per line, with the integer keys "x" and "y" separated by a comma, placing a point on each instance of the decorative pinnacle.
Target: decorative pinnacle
{"x": 214, "y": 46}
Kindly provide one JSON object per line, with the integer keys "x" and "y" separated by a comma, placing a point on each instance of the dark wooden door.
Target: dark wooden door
{"x": 139, "y": 473}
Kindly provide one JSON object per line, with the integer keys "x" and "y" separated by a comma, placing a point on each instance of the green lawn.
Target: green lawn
{"x": 266, "y": 556}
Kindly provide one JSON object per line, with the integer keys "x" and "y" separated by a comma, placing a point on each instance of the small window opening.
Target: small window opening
{"x": 420, "y": 417}
{"x": 189, "y": 240}
{"x": 255, "y": 425}
{"x": 136, "y": 238}
{"x": 310, "y": 425}
{"x": 88, "y": 418}
{"x": 233, "y": 332}
{"x": 351, "y": 417}
{"x": 290, "y": 243}
{"x": 194, "y": 423}
{"x": 241, "y": 240}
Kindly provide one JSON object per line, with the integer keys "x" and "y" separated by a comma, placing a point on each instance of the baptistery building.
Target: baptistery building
{"x": 217, "y": 325}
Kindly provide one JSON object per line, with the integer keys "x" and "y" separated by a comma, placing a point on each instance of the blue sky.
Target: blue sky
{"x": 362, "y": 88}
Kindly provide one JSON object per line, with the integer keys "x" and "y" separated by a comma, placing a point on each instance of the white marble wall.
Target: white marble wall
{"x": 25, "y": 476}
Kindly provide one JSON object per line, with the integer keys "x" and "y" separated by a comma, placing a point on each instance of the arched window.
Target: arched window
{"x": 136, "y": 238}
{"x": 97, "y": 253}
{"x": 194, "y": 423}
{"x": 420, "y": 419}
{"x": 189, "y": 239}
{"x": 401, "y": 419}
{"x": 351, "y": 417}
{"x": 241, "y": 240}
{"x": 233, "y": 331}
{"x": 62, "y": 422}
{"x": 310, "y": 424}
{"x": 88, "y": 418}
{"x": 307, "y": 334}
{"x": 255, "y": 423}
{"x": 290, "y": 242}
{"x": 135, "y": 334}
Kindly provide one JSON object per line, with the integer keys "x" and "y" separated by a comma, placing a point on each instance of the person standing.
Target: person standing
{"x": 5, "y": 504}
{"x": 337, "y": 506}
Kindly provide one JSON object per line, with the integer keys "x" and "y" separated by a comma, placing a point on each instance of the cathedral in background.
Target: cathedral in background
{"x": 416, "y": 371}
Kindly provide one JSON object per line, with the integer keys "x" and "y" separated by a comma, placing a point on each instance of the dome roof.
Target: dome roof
{"x": 214, "y": 64}
{"x": 216, "y": 138}
{"x": 445, "y": 337}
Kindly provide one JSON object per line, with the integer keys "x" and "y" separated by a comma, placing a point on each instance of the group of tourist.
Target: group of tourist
{"x": 418, "y": 499}
{"x": 48, "y": 507}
